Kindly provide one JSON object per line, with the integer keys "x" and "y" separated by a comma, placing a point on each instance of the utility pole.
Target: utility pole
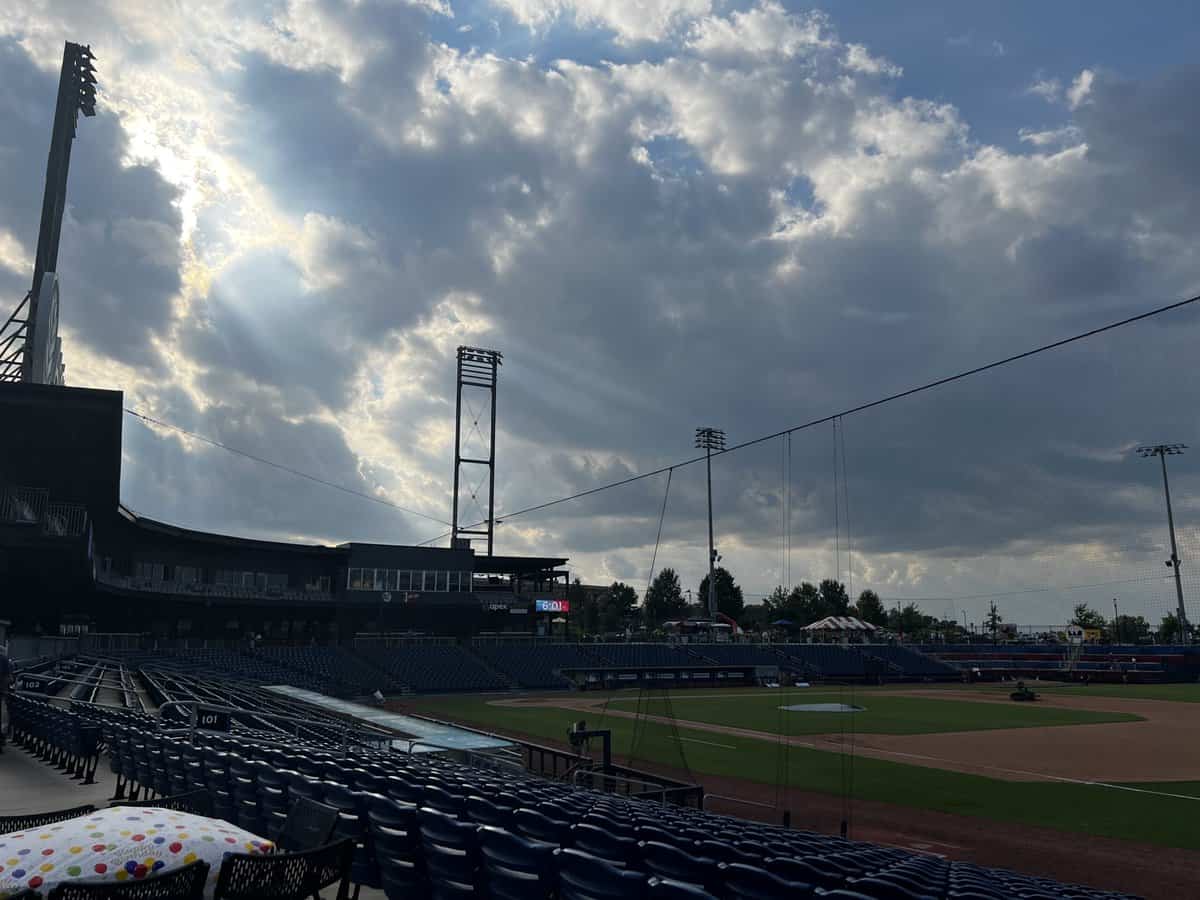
{"x": 1116, "y": 623}
{"x": 1162, "y": 451}
{"x": 710, "y": 439}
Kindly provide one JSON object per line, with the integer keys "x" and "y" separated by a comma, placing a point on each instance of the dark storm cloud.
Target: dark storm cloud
{"x": 636, "y": 240}
{"x": 119, "y": 257}
{"x": 209, "y": 488}
{"x": 1142, "y": 132}
{"x": 649, "y": 308}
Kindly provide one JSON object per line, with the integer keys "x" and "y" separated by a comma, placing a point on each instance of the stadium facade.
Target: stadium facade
{"x": 73, "y": 558}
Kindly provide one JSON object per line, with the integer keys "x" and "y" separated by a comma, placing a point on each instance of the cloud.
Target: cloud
{"x": 740, "y": 220}
{"x": 120, "y": 253}
{"x": 972, "y": 43}
{"x": 630, "y": 20}
{"x": 1049, "y": 89}
{"x": 1081, "y": 87}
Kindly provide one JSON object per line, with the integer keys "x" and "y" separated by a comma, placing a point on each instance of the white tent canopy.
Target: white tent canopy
{"x": 839, "y": 623}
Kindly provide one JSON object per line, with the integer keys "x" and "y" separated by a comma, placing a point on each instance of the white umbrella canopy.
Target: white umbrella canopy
{"x": 840, "y": 623}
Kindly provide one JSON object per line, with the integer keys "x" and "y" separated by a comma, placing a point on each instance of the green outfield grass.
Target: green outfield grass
{"x": 1185, "y": 693}
{"x": 883, "y": 712}
{"x": 1091, "y": 809}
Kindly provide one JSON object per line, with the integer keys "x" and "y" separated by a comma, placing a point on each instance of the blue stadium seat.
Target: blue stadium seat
{"x": 582, "y": 876}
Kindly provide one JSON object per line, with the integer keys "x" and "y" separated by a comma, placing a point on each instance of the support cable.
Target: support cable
{"x": 849, "y": 542}
{"x": 862, "y": 407}
{"x": 281, "y": 467}
{"x": 658, "y": 539}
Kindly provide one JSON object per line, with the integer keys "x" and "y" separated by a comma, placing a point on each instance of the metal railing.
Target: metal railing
{"x": 65, "y": 519}
{"x": 23, "y": 505}
{"x": 12, "y": 342}
{"x": 204, "y": 589}
{"x": 349, "y": 735}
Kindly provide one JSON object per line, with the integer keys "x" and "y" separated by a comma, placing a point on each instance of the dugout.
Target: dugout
{"x": 615, "y": 677}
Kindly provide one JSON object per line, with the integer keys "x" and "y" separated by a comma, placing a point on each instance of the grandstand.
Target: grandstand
{"x": 1099, "y": 662}
{"x": 66, "y": 538}
{"x": 442, "y": 824}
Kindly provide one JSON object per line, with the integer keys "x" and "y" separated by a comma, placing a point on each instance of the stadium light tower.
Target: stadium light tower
{"x": 29, "y": 349}
{"x": 1162, "y": 451}
{"x": 710, "y": 439}
{"x": 477, "y": 368}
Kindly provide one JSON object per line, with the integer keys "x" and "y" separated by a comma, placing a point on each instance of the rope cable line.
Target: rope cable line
{"x": 280, "y": 466}
{"x": 862, "y": 407}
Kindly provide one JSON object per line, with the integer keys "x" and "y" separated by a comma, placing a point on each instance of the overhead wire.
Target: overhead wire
{"x": 837, "y": 531}
{"x": 846, "y": 505}
{"x": 658, "y": 539}
{"x": 862, "y": 407}
{"x": 281, "y": 467}
{"x": 789, "y": 510}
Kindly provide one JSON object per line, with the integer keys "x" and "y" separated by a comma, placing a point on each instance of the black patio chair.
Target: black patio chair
{"x": 309, "y": 825}
{"x": 286, "y": 876}
{"x": 198, "y": 802}
{"x": 9, "y": 824}
{"x": 178, "y": 884}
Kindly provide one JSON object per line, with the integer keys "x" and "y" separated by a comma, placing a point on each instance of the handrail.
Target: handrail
{"x": 195, "y": 706}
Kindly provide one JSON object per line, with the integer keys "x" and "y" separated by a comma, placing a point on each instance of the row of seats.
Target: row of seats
{"x": 63, "y": 738}
{"x": 910, "y": 661}
{"x": 485, "y": 666}
{"x": 423, "y": 823}
{"x": 537, "y": 666}
{"x": 427, "y": 826}
{"x": 436, "y": 667}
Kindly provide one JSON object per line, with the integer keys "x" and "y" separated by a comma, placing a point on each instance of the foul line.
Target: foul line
{"x": 1045, "y": 775}
{"x": 710, "y": 743}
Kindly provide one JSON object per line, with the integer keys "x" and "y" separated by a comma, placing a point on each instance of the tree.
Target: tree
{"x": 756, "y": 617}
{"x": 835, "y": 598}
{"x": 618, "y": 606}
{"x": 1130, "y": 629}
{"x": 585, "y": 607}
{"x": 993, "y": 620}
{"x": 805, "y": 605}
{"x": 910, "y": 621}
{"x": 1169, "y": 631}
{"x": 664, "y": 600}
{"x": 870, "y": 608}
{"x": 729, "y": 595}
{"x": 1086, "y": 617}
{"x": 776, "y": 601}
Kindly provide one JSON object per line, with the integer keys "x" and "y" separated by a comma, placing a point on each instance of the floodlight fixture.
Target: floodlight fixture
{"x": 1162, "y": 451}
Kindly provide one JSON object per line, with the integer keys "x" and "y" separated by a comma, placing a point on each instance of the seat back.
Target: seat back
{"x": 582, "y": 876}
{"x": 752, "y": 883}
{"x": 9, "y": 824}
{"x": 285, "y": 876}
{"x": 196, "y": 802}
{"x": 186, "y": 883}
{"x": 309, "y": 825}
{"x": 666, "y": 889}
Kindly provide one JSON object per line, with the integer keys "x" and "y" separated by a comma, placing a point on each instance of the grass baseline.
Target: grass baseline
{"x": 1077, "y": 807}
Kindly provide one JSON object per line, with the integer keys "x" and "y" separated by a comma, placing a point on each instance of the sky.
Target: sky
{"x": 286, "y": 216}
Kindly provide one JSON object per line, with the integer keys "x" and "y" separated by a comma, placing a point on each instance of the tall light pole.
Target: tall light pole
{"x": 1162, "y": 451}
{"x": 710, "y": 439}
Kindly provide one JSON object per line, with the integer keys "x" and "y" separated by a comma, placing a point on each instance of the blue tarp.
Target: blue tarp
{"x": 423, "y": 736}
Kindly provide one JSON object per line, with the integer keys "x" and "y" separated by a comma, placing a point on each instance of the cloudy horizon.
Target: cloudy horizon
{"x": 286, "y": 216}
